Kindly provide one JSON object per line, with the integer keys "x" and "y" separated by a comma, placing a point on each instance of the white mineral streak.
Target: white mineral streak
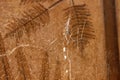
{"x": 52, "y": 42}
{"x": 65, "y": 50}
{"x": 67, "y": 30}
{"x": 65, "y": 57}
{"x": 66, "y": 71}
{"x": 70, "y": 76}
{"x": 10, "y": 52}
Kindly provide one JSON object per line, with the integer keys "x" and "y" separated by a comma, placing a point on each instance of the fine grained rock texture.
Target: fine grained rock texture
{"x": 37, "y": 49}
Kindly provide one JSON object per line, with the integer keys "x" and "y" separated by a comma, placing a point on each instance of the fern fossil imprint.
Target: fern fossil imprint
{"x": 79, "y": 29}
{"x": 38, "y": 15}
{"x": 31, "y": 20}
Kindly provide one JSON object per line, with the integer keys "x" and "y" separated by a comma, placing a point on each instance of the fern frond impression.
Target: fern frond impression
{"x": 31, "y": 20}
{"x": 80, "y": 29}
